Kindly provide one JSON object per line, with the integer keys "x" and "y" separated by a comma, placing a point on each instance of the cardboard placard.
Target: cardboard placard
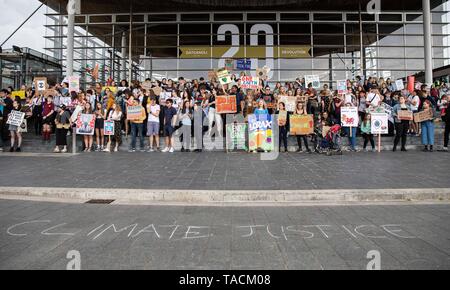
{"x": 399, "y": 85}
{"x": 314, "y": 80}
{"x": 301, "y": 124}
{"x": 379, "y": 123}
{"x": 15, "y": 118}
{"x": 236, "y": 136}
{"x": 134, "y": 113}
{"x": 224, "y": 76}
{"x": 325, "y": 130}
{"x": 405, "y": 115}
{"x": 302, "y": 99}
{"x": 50, "y": 92}
{"x": 226, "y": 105}
{"x": 349, "y": 117}
{"x": 40, "y": 85}
{"x": 423, "y": 116}
{"x": 147, "y": 85}
{"x": 261, "y": 73}
{"x": 109, "y": 128}
{"x": 20, "y": 94}
{"x": 282, "y": 118}
{"x": 260, "y": 132}
{"x": 85, "y": 124}
{"x": 74, "y": 84}
{"x": 157, "y": 91}
{"x": 289, "y": 102}
{"x": 249, "y": 83}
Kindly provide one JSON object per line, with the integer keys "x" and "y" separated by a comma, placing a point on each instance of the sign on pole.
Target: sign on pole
{"x": 109, "y": 128}
{"x": 349, "y": 117}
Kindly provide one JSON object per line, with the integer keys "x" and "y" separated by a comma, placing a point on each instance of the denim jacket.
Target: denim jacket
{"x": 395, "y": 112}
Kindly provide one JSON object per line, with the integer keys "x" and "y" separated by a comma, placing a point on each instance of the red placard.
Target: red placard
{"x": 226, "y": 105}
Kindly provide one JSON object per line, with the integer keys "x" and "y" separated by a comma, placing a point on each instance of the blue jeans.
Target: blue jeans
{"x": 135, "y": 129}
{"x": 428, "y": 133}
{"x": 352, "y": 139}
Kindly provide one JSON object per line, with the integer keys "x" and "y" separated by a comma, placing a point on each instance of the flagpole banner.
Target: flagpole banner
{"x": 260, "y": 132}
{"x": 379, "y": 123}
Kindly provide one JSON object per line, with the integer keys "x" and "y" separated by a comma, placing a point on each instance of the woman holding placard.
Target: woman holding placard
{"x": 48, "y": 118}
{"x": 428, "y": 127}
{"x": 301, "y": 110}
{"x": 88, "y": 139}
{"x": 283, "y": 119}
{"x": 100, "y": 115}
{"x": 14, "y": 130}
{"x": 63, "y": 124}
{"x": 401, "y": 126}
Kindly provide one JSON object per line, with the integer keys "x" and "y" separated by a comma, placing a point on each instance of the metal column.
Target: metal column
{"x": 427, "y": 42}
{"x": 123, "y": 65}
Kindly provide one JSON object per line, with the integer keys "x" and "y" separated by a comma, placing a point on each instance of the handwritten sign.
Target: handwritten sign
{"x": 249, "y": 83}
{"x": 15, "y": 118}
{"x": 301, "y": 124}
{"x": 109, "y": 128}
{"x": 40, "y": 85}
{"x": 85, "y": 124}
{"x": 134, "y": 113}
{"x": 349, "y": 117}
{"x": 236, "y": 136}
{"x": 224, "y": 76}
{"x": 226, "y": 104}
{"x": 282, "y": 118}
{"x": 405, "y": 115}
{"x": 289, "y": 102}
{"x": 379, "y": 123}
{"x": 314, "y": 80}
{"x": 423, "y": 116}
{"x": 20, "y": 94}
{"x": 74, "y": 84}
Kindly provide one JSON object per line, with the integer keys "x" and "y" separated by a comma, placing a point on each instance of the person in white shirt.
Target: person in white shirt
{"x": 373, "y": 98}
{"x": 414, "y": 104}
{"x": 115, "y": 115}
{"x": 153, "y": 111}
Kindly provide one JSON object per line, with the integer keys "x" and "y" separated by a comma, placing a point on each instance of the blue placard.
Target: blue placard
{"x": 242, "y": 64}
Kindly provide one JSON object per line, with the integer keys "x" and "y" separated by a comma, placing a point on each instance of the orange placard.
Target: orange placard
{"x": 226, "y": 105}
{"x": 301, "y": 124}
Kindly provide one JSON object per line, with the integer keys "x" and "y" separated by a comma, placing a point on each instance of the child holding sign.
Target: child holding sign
{"x": 14, "y": 130}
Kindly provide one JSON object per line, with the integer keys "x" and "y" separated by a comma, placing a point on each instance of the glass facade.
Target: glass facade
{"x": 292, "y": 44}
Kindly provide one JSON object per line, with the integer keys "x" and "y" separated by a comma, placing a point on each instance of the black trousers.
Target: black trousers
{"x": 283, "y": 137}
{"x": 368, "y": 138}
{"x": 299, "y": 141}
{"x": 447, "y": 132}
{"x": 401, "y": 131}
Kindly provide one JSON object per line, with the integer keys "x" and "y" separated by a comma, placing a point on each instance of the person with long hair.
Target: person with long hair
{"x": 48, "y": 118}
{"x": 186, "y": 116}
{"x": 401, "y": 126}
{"x": 428, "y": 128}
{"x": 115, "y": 114}
{"x": 15, "y": 130}
{"x": 63, "y": 124}
{"x": 301, "y": 110}
{"x": 283, "y": 126}
{"x": 88, "y": 139}
{"x": 100, "y": 115}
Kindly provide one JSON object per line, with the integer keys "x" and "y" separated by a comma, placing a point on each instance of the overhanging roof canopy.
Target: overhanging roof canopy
{"x": 123, "y": 6}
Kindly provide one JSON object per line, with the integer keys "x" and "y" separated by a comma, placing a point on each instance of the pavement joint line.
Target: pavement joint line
{"x": 232, "y": 196}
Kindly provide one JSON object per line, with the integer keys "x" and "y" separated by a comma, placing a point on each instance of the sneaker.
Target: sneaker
{"x": 165, "y": 150}
{"x": 1, "y": 149}
{"x": 18, "y": 149}
{"x": 150, "y": 150}
{"x": 182, "y": 149}
{"x": 171, "y": 150}
{"x": 116, "y": 149}
{"x": 11, "y": 149}
{"x": 445, "y": 149}
{"x": 374, "y": 150}
{"x": 64, "y": 151}
{"x": 188, "y": 150}
{"x": 56, "y": 150}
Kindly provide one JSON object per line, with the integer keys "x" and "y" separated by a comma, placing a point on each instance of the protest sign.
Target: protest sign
{"x": 261, "y": 73}
{"x": 157, "y": 91}
{"x": 40, "y": 85}
{"x": 229, "y": 64}
{"x": 74, "y": 84}
{"x": 248, "y": 82}
{"x": 20, "y": 94}
{"x": 50, "y": 92}
{"x": 423, "y": 116}
{"x": 301, "y": 124}
{"x": 15, "y": 118}
{"x": 23, "y": 127}
{"x": 405, "y": 115}
{"x": 399, "y": 85}
{"x": 290, "y": 103}
{"x": 75, "y": 113}
{"x": 260, "y": 132}
{"x": 236, "y": 136}
{"x": 109, "y": 128}
{"x": 388, "y": 110}
{"x": 226, "y": 105}
{"x": 342, "y": 87}
{"x": 112, "y": 89}
{"x": 349, "y": 117}
{"x": 379, "y": 123}
{"x": 302, "y": 99}
{"x": 314, "y": 80}
{"x": 242, "y": 64}
{"x": 85, "y": 124}
{"x": 134, "y": 113}
{"x": 224, "y": 76}
{"x": 147, "y": 85}
{"x": 282, "y": 118}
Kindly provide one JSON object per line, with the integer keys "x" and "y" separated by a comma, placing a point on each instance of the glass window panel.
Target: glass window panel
{"x": 295, "y": 28}
{"x": 353, "y": 28}
{"x": 414, "y": 29}
{"x": 390, "y": 40}
{"x": 364, "y": 17}
{"x": 162, "y": 17}
{"x": 261, "y": 16}
{"x": 163, "y": 64}
{"x": 414, "y": 41}
{"x": 390, "y": 29}
{"x": 228, "y": 16}
{"x": 295, "y": 39}
{"x": 195, "y": 64}
{"x": 390, "y": 17}
{"x": 414, "y": 52}
{"x": 195, "y": 17}
{"x": 327, "y": 16}
{"x": 418, "y": 64}
{"x": 337, "y": 28}
{"x": 162, "y": 29}
{"x": 295, "y": 16}
{"x": 391, "y": 52}
{"x": 296, "y": 64}
{"x": 200, "y": 28}
{"x": 328, "y": 40}
{"x": 414, "y": 17}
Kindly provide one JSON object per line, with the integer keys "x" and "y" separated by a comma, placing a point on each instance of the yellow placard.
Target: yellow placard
{"x": 20, "y": 94}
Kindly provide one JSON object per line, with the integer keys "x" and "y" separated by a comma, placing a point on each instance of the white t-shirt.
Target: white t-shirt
{"x": 153, "y": 110}
{"x": 374, "y": 99}
{"x": 412, "y": 99}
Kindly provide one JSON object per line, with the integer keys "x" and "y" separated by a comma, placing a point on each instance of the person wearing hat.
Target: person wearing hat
{"x": 63, "y": 123}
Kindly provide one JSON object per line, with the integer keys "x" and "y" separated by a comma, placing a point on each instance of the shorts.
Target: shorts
{"x": 168, "y": 131}
{"x": 99, "y": 124}
{"x": 152, "y": 129}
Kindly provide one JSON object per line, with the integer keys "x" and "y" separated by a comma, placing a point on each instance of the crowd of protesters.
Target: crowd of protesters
{"x": 182, "y": 100}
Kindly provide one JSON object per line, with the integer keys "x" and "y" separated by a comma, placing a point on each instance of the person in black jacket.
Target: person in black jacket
{"x": 447, "y": 124}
